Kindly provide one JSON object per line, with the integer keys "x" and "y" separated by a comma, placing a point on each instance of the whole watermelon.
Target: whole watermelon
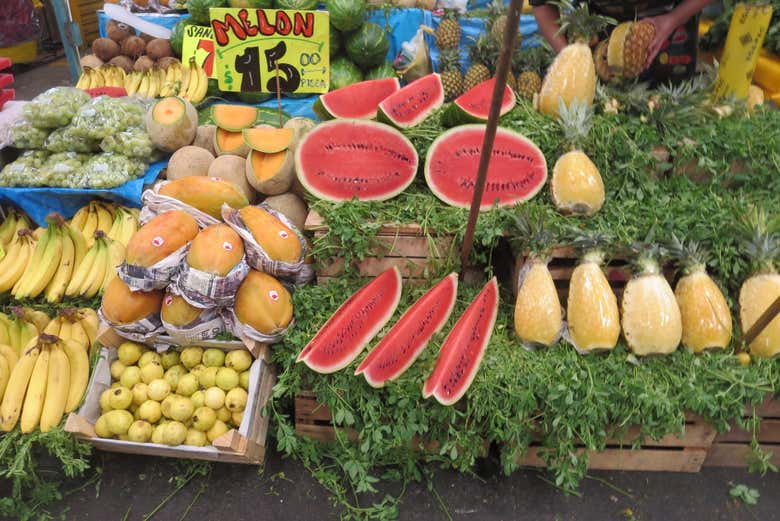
{"x": 335, "y": 42}
{"x": 343, "y": 72}
{"x": 346, "y": 15}
{"x": 254, "y": 97}
{"x": 304, "y": 5}
{"x": 367, "y": 46}
{"x": 385, "y": 70}
{"x": 177, "y": 34}
{"x": 199, "y": 9}
{"x": 251, "y": 4}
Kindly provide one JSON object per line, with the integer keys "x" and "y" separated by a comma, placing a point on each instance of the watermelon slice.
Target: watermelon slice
{"x": 517, "y": 169}
{"x": 113, "y": 92}
{"x": 354, "y": 324}
{"x": 344, "y": 159}
{"x": 358, "y": 100}
{"x": 473, "y": 106}
{"x": 463, "y": 349}
{"x": 401, "y": 346}
{"x": 412, "y": 104}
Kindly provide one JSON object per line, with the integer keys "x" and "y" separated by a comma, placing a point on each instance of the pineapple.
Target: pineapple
{"x": 576, "y": 186}
{"x": 482, "y": 54}
{"x": 511, "y": 82}
{"x": 451, "y": 77}
{"x": 573, "y": 74}
{"x": 528, "y": 84}
{"x": 532, "y": 63}
{"x": 706, "y": 320}
{"x": 448, "y": 32}
{"x": 538, "y": 317}
{"x": 600, "y": 60}
{"x": 627, "y": 48}
{"x": 497, "y": 20}
{"x": 592, "y": 309}
{"x": 762, "y": 288}
{"x": 652, "y": 324}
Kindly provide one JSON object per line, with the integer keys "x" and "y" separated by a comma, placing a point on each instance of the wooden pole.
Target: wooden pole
{"x": 766, "y": 317}
{"x": 504, "y": 60}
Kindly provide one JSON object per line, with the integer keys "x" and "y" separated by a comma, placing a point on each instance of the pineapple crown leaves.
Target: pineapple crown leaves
{"x": 590, "y": 245}
{"x": 534, "y": 59}
{"x": 577, "y": 22}
{"x": 761, "y": 240}
{"x": 689, "y": 255}
{"x": 575, "y": 120}
{"x": 484, "y": 51}
{"x": 496, "y": 8}
{"x": 450, "y": 14}
{"x": 449, "y": 60}
{"x": 647, "y": 255}
{"x": 530, "y": 234}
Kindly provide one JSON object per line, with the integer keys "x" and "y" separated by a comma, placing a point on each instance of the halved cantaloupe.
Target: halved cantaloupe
{"x": 233, "y": 117}
{"x": 172, "y": 123}
{"x": 268, "y": 139}
{"x": 229, "y": 142}
{"x": 270, "y": 174}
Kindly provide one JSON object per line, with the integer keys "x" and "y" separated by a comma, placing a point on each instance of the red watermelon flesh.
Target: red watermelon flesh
{"x": 517, "y": 169}
{"x": 412, "y": 104}
{"x": 343, "y": 159}
{"x": 473, "y": 106}
{"x": 359, "y": 100}
{"x": 401, "y": 346}
{"x": 463, "y": 349}
{"x": 354, "y": 324}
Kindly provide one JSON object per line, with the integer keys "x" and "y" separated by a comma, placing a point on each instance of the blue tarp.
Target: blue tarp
{"x": 39, "y": 202}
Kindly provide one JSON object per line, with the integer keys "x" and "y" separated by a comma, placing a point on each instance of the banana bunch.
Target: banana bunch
{"x": 125, "y": 225}
{"x": 106, "y": 75}
{"x": 97, "y": 215}
{"x": 151, "y": 83}
{"x": 17, "y": 256}
{"x": 11, "y": 225}
{"x": 48, "y": 380}
{"x": 98, "y": 267}
{"x": 16, "y": 331}
{"x": 194, "y": 83}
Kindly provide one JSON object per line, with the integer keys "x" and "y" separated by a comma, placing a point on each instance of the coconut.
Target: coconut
{"x": 159, "y": 48}
{"x": 118, "y": 31}
{"x": 231, "y": 168}
{"x": 166, "y": 62}
{"x": 147, "y": 37}
{"x": 143, "y": 64}
{"x": 133, "y": 46}
{"x": 122, "y": 62}
{"x": 90, "y": 61}
{"x": 105, "y": 48}
{"x": 204, "y": 138}
{"x": 291, "y": 206}
{"x": 189, "y": 161}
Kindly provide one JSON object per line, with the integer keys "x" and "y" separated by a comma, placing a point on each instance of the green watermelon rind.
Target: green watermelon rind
{"x": 384, "y": 117}
{"x": 455, "y": 114}
{"x": 465, "y": 128}
{"x": 367, "y": 47}
{"x": 346, "y": 15}
{"x": 298, "y": 5}
{"x": 177, "y": 34}
{"x": 199, "y": 9}
{"x": 385, "y": 70}
{"x": 343, "y": 69}
{"x": 325, "y": 113}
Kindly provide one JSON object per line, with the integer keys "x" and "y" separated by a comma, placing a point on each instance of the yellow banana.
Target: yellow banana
{"x": 12, "y": 267}
{"x": 15, "y": 336}
{"x": 116, "y": 256}
{"x": 36, "y": 391}
{"x": 132, "y": 82}
{"x": 79, "y": 244}
{"x": 83, "y": 82}
{"x": 90, "y": 225}
{"x": 4, "y": 325}
{"x": 79, "y": 373}
{"x": 143, "y": 87}
{"x": 90, "y": 322}
{"x": 186, "y": 77}
{"x": 53, "y": 327}
{"x": 79, "y": 219}
{"x": 39, "y": 272}
{"x": 57, "y": 388}
{"x": 119, "y": 76}
{"x": 94, "y": 281}
{"x": 105, "y": 218}
{"x": 37, "y": 318}
{"x": 192, "y": 88}
{"x": 203, "y": 85}
{"x": 10, "y": 355}
{"x": 27, "y": 332}
{"x": 79, "y": 335}
{"x": 34, "y": 264}
{"x": 59, "y": 282}
{"x": 8, "y": 228}
{"x": 91, "y": 82}
{"x": 5, "y": 374}
{"x": 167, "y": 82}
{"x": 11, "y": 406}
{"x": 82, "y": 272}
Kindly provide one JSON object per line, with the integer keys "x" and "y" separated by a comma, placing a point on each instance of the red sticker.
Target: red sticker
{"x": 227, "y": 246}
{"x": 274, "y": 295}
{"x": 168, "y": 300}
{"x": 283, "y": 234}
{"x": 158, "y": 241}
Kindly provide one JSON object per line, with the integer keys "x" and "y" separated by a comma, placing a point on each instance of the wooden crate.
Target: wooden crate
{"x": 247, "y": 444}
{"x": 404, "y": 246}
{"x": 563, "y": 261}
{"x": 668, "y": 454}
{"x": 730, "y": 449}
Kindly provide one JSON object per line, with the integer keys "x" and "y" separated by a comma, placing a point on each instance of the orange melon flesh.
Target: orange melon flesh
{"x": 268, "y": 139}
{"x": 233, "y": 117}
{"x": 228, "y": 141}
{"x": 266, "y": 166}
{"x": 169, "y": 110}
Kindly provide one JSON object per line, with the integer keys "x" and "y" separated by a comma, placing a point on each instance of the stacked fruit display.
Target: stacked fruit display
{"x": 187, "y": 397}
{"x": 124, "y": 49}
{"x": 44, "y": 371}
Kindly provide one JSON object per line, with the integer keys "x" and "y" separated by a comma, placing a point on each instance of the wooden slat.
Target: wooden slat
{"x": 699, "y": 434}
{"x": 645, "y": 460}
{"x": 411, "y": 246}
{"x": 315, "y": 223}
{"x": 735, "y": 454}
{"x": 371, "y": 267}
{"x": 768, "y": 432}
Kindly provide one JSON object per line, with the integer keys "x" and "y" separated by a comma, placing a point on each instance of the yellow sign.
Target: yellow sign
{"x": 258, "y": 49}
{"x": 198, "y": 42}
{"x": 747, "y": 30}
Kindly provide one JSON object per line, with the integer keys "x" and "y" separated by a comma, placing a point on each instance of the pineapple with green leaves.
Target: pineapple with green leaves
{"x": 497, "y": 20}
{"x": 531, "y": 63}
{"x": 482, "y": 54}
{"x": 448, "y": 32}
{"x": 451, "y": 76}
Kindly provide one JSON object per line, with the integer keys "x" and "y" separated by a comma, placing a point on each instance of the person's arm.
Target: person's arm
{"x": 547, "y": 19}
{"x": 665, "y": 24}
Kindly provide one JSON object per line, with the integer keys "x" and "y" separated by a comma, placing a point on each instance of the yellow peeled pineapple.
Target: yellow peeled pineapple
{"x": 706, "y": 319}
{"x": 592, "y": 310}
{"x": 573, "y": 73}
{"x": 538, "y": 316}
{"x": 651, "y": 322}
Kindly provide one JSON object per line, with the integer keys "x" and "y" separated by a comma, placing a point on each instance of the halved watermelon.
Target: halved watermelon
{"x": 473, "y": 106}
{"x": 463, "y": 349}
{"x": 354, "y": 324}
{"x": 412, "y": 104}
{"x": 344, "y": 159}
{"x": 401, "y": 346}
{"x": 517, "y": 169}
{"x": 358, "y": 100}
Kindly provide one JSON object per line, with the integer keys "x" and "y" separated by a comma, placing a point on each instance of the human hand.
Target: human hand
{"x": 664, "y": 25}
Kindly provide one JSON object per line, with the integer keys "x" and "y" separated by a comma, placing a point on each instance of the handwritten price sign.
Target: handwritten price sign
{"x": 198, "y": 43}
{"x": 256, "y": 48}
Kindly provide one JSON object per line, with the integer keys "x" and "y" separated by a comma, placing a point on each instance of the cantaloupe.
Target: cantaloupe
{"x": 233, "y": 117}
{"x": 300, "y": 126}
{"x": 204, "y": 138}
{"x": 268, "y": 139}
{"x": 270, "y": 174}
{"x": 227, "y": 142}
{"x": 233, "y": 168}
{"x": 172, "y": 123}
{"x": 207, "y": 194}
{"x": 122, "y": 306}
{"x": 277, "y": 240}
{"x": 291, "y": 206}
{"x": 188, "y": 161}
